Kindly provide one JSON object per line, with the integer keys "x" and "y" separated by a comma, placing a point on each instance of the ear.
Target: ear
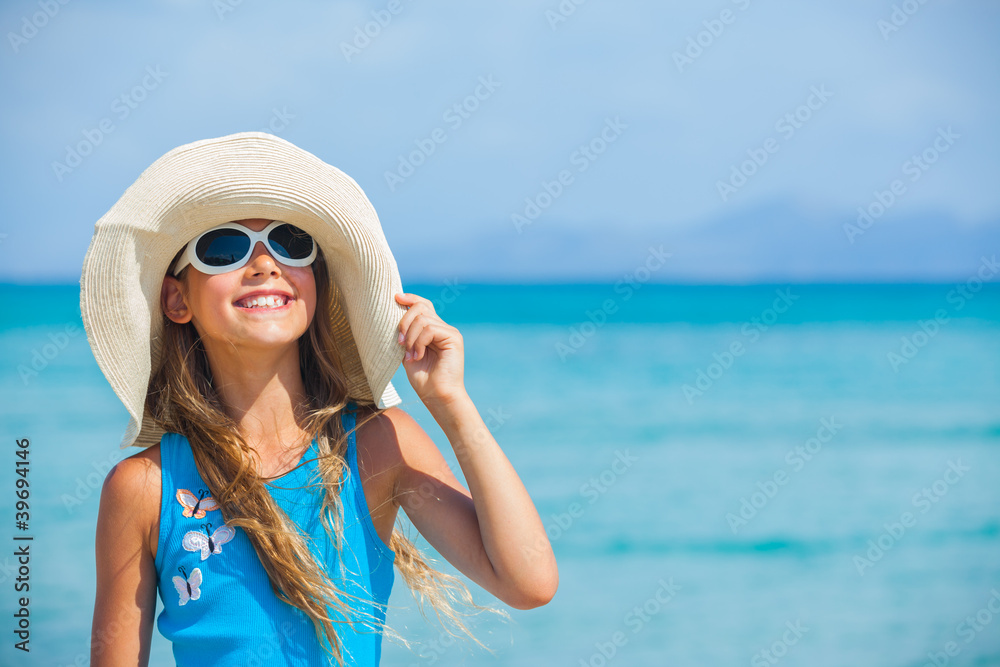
{"x": 173, "y": 302}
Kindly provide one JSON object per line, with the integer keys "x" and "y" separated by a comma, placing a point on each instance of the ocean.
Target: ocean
{"x": 762, "y": 474}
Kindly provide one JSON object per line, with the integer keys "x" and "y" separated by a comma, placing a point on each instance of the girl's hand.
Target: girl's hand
{"x": 435, "y": 361}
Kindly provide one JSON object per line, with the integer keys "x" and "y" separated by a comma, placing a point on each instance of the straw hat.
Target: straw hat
{"x": 202, "y": 184}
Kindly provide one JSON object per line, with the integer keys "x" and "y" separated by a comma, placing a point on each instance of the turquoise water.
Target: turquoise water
{"x": 827, "y": 438}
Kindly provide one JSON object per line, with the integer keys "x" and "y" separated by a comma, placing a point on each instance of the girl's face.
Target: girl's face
{"x": 212, "y": 301}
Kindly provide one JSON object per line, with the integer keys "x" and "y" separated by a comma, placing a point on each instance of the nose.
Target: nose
{"x": 261, "y": 260}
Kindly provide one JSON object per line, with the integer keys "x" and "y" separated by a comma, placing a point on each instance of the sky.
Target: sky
{"x": 537, "y": 141}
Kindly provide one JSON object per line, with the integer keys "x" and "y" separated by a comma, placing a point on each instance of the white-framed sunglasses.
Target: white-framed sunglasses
{"x": 229, "y": 246}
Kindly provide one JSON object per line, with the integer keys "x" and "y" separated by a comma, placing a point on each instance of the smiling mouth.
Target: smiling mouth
{"x": 264, "y": 303}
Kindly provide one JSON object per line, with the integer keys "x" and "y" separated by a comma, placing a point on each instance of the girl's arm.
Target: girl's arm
{"x": 493, "y": 534}
{"x": 126, "y": 576}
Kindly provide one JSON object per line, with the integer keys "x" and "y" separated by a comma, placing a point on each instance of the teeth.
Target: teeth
{"x": 269, "y": 301}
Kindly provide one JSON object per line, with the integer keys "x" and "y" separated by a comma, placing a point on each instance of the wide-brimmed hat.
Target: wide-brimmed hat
{"x": 202, "y": 184}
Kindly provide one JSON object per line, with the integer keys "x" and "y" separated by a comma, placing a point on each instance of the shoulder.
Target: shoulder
{"x": 381, "y": 435}
{"x": 384, "y": 442}
{"x": 390, "y": 430}
{"x": 130, "y": 496}
{"x": 398, "y": 442}
{"x": 135, "y": 472}
{"x": 388, "y": 420}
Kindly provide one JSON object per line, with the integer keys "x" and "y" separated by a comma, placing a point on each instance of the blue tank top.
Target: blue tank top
{"x": 218, "y": 605}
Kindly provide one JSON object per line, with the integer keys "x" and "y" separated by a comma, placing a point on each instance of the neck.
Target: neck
{"x": 262, "y": 390}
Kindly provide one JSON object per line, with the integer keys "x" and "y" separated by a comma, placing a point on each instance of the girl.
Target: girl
{"x": 264, "y": 516}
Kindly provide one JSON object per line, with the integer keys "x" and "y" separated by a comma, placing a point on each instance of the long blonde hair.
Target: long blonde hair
{"x": 181, "y": 398}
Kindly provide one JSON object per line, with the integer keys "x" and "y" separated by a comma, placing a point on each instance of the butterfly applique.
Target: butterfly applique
{"x": 196, "y": 506}
{"x": 208, "y": 542}
{"x": 187, "y": 586}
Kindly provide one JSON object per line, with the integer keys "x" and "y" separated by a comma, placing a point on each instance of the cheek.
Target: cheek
{"x": 306, "y": 284}
{"x": 309, "y": 298}
{"x": 213, "y": 297}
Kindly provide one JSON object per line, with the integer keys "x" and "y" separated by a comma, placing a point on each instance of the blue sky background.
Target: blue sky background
{"x": 231, "y": 66}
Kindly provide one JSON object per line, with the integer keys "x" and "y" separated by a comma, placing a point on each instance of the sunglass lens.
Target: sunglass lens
{"x": 291, "y": 242}
{"x": 222, "y": 247}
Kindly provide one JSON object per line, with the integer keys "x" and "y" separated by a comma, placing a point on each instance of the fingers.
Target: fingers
{"x": 426, "y": 336}
{"x": 418, "y": 335}
{"x": 415, "y": 327}
{"x": 407, "y": 298}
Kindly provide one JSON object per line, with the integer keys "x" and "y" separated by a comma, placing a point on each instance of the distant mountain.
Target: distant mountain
{"x": 775, "y": 242}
